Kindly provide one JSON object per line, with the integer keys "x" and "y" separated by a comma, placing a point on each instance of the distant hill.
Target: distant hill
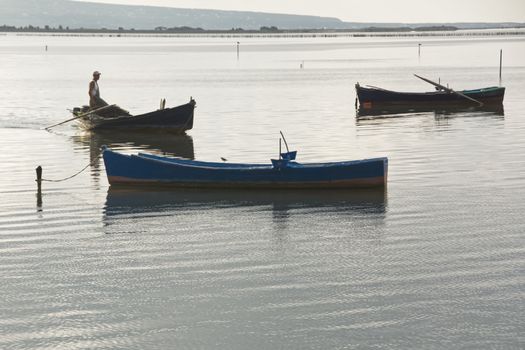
{"x": 73, "y": 14}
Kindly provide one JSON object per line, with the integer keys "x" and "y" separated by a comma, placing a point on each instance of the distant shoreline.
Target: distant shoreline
{"x": 267, "y": 32}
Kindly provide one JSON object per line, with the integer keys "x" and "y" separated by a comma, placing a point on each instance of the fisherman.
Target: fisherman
{"x": 94, "y": 92}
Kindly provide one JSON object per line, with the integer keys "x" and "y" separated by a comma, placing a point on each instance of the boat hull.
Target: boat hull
{"x": 175, "y": 119}
{"x": 146, "y": 169}
{"x": 370, "y": 97}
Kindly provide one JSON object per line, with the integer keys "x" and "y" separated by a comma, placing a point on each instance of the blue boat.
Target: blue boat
{"x": 150, "y": 169}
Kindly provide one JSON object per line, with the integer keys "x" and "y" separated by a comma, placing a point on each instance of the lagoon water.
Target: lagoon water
{"x": 435, "y": 261}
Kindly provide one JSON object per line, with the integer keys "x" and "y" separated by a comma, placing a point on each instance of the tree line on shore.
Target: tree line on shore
{"x": 189, "y": 30}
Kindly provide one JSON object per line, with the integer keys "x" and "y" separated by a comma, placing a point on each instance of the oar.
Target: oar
{"x": 78, "y": 116}
{"x": 449, "y": 90}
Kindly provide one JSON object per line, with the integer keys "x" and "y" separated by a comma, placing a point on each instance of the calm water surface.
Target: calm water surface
{"x": 435, "y": 261}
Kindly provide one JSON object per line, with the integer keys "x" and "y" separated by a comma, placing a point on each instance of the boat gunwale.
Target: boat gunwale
{"x": 247, "y": 166}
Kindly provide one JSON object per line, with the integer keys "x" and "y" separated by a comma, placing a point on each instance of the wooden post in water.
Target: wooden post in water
{"x": 238, "y": 43}
{"x": 418, "y": 50}
{"x": 39, "y": 188}
{"x": 500, "y": 62}
{"x": 39, "y": 177}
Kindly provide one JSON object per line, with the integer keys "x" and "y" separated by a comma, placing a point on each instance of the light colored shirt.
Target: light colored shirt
{"x": 95, "y": 92}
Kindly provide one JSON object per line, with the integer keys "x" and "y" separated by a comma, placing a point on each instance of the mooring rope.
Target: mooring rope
{"x": 79, "y": 172}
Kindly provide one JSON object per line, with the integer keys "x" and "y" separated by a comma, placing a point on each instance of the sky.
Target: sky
{"x": 404, "y": 11}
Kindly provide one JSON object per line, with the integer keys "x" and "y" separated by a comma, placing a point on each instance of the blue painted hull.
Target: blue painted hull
{"x": 145, "y": 169}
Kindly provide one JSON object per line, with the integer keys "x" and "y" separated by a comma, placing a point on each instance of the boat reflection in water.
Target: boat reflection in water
{"x": 164, "y": 143}
{"x": 124, "y": 205}
{"x": 443, "y": 111}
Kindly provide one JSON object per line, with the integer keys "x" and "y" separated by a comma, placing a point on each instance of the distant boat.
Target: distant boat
{"x": 147, "y": 169}
{"x": 373, "y": 97}
{"x": 175, "y": 119}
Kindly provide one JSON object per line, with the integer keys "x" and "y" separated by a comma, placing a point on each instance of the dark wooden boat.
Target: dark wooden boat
{"x": 175, "y": 119}
{"x": 373, "y": 97}
{"x": 147, "y": 169}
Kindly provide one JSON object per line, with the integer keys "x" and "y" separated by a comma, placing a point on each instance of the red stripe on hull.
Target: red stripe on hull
{"x": 379, "y": 181}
